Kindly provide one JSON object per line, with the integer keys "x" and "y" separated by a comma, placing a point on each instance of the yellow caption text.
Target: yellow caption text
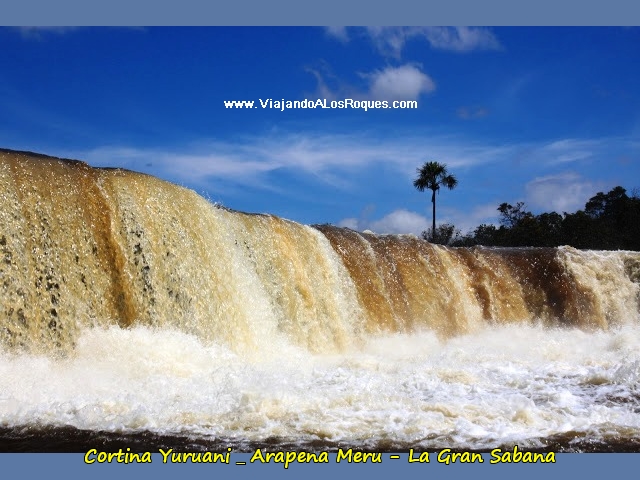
{"x": 445, "y": 456}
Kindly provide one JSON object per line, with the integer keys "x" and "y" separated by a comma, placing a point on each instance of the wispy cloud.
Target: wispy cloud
{"x": 470, "y": 113}
{"x": 579, "y": 152}
{"x": 390, "y": 41}
{"x": 37, "y": 33}
{"x": 41, "y": 32}
{"x": 330, "y": 155}
{"x": 571, "y": 150}
{"x": 461, "y": 39}
{"x": 326, "y": 156}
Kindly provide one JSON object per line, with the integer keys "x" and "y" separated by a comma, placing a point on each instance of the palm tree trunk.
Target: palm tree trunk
{"x": 433, "y": 227}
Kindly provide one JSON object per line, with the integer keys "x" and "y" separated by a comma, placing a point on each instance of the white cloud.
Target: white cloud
{"x": 339, "y": 33}
{"x": 401, "y": 221}
{"x": 390, "y": 41}
{"x": 469, "y": 219}
{"x": 352, "y": 223}
{"x": 461, "y": 39}
{"x": 404, "y": 221}
{"x": 402, "y": 83}
{"x": 564, "y": 192}
{"x": 398, "y": 221}
{"x": 406, "y": 82}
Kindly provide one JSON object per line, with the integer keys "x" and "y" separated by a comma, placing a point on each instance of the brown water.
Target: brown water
{"x": 134, "y": 307}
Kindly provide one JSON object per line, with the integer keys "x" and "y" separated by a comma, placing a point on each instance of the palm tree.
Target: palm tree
{"x": 432, "y": 175}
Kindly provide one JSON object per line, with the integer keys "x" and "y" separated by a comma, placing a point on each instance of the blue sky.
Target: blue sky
{"x": 548, "y": 116}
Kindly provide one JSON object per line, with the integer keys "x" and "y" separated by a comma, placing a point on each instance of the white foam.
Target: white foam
{"x": 507, "y": 384}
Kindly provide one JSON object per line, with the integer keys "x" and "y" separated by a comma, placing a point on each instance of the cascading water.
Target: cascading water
{"x": 131, "y": 305}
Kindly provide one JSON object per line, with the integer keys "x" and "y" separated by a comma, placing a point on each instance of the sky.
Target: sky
{"x": 544, "y": 115}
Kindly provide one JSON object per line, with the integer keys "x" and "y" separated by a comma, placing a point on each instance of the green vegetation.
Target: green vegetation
{"x": 609, "y": 221}
{"x": 433, "y": 175}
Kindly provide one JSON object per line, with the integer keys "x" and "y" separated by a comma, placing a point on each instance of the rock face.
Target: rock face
{"x": 82, "y": 247}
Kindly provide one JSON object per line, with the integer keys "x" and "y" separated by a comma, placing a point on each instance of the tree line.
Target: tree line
{"x": 609, "y": 221}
